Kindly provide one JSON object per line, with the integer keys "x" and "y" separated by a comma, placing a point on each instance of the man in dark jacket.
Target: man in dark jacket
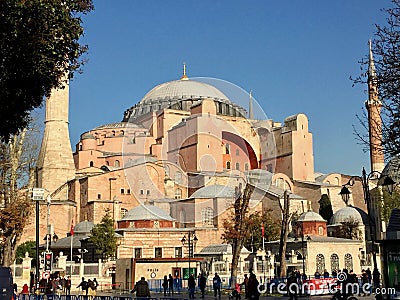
{"x": 141, "y": 288}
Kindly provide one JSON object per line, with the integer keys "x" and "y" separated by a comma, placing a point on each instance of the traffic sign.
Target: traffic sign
{"x": 37, "y": 194}
{"x": 46, "y": 275}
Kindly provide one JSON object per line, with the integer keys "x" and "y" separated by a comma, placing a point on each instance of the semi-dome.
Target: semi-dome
{"x": 310, "y": 216}
{"x": 181, "y": 95}
{"x": 392, "y": 169}
{"x": 83, "y": 227}
{"x": 214, "y": 191}
{"x": 349, "y": 212}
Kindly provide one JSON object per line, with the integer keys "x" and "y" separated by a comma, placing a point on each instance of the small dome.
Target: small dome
{"x": 214, "y": 191}
{"x": 87, "y": 135}
{"x": 147, "y": 212}
{"x": 392, "y": 169}
{"x": 349, "y": 212}
{"x": 83, "y": 227}
{"x": 311, "y": 216}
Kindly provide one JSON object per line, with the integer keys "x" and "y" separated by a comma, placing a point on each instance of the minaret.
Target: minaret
{"x": 251, "y": 113}
{"x": 373, "y": 105}
{"x": 55, "y": 162}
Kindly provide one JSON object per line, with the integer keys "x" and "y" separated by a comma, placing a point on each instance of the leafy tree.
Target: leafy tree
{"x": 350, "y": 229}
{"x": 235, "y": 228}
{"x": 17, "y": 160}
{"x": 254, "y": 223}
{"x": 325, "y": 207}
{"x": 386, "y": 52}
{"x": 102, "y": 236}
{"x": 28, "y": 246}
{"x": 389, "y": 202}
{"x": 38, "y": 46}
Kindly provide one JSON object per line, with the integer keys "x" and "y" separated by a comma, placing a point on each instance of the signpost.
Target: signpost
{"x": 37, "y": 194}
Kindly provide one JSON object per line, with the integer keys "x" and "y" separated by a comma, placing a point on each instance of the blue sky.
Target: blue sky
{"x": 296, "y": 56}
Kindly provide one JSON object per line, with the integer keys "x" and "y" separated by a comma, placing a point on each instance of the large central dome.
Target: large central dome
{"x": 181, "y": 95}
{"x": 182, "y": 89}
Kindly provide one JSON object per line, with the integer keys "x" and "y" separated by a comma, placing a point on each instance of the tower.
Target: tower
{"x": 55, "y": 162}
{"x": 373, "y": 105}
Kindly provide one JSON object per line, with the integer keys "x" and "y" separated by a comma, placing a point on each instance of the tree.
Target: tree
{"x": 350, "y": 229}
{"x": 102, "y": 236}
{"x": 235, "y": 230}
{"x": 386, "y": 52}
{"x": 389, "y": 202}
{"x": 254, "y": 222}
{"x": 38, "y": 46}
{"x": 325, "y": 207}
{"x": 17, "y": 161}
{"x": 28, "y": 246}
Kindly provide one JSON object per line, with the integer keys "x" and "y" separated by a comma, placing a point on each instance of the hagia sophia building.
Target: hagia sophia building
{"x": 172, "y": 164}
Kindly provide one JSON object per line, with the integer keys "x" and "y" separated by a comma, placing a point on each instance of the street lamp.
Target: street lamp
{"x": 191, "y": 243}
{"x": 384, "y": 180}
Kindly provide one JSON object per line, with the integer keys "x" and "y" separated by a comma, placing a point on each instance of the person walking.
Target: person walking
{"x": 165, "y": 285}
{"x": 292, "y": 286}
{"x": 191, "y": 286}
{"x": 141, "y": 288}
{"x": 253, "y": 284}
{"x": 217, "y": 286}
{"x": 68, "y": 284}
{"x": 170, "y": 285}
{"x": 202, "y": 284}
{"x": 246, "y": 284}
{"x": 84, "y": 286}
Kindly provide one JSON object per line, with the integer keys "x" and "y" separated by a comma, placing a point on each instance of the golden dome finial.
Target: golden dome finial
{"x": 184, "y": 76}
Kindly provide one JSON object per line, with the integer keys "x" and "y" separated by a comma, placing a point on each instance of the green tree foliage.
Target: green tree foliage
{"x": 386, "y": 51}
{"x": 28, "y": 246}
{"x": 325, "y": 207}
{"x": 102, "y": 236}
{"x": 38, "y": 46}
{"x": 254, "y": 224}
{"x": 389, "y": 202}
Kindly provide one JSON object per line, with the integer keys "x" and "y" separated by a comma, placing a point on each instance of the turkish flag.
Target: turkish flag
{"x": 71, "y": 232}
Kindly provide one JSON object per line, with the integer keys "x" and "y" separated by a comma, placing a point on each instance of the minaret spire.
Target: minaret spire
{"x": 251, "y": 113}
{"x": 373, "y": 105}
{"x": 184, "y": 76}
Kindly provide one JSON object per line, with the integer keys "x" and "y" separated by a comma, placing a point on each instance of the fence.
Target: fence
{"x": 84, "y": 297}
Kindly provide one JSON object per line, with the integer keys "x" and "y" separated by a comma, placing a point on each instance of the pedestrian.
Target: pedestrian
{"x": 141, "y": 288}
{"x": 92, "y": 288}
{"x": 326, "y": 274}
{"x": 253, "y": 284}
{"x": 68, "y": 284}
{"x": 191, "y": 286}
{"x": 165, "y": 285}
{"x": 292, "y": 287}
{"x": 317, "y": 275}
{"x": 170, "y": 285}
{"x": 202, "y": 284}
{"x": 245, "y": 283}
{"x": 217, "y": 286}
{"x": 84, "y": 286}
{"x": 364, "y": 282}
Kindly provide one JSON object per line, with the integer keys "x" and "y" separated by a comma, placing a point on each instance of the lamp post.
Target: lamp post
{"x": 384, "y": 180}
{"x": 191, "y": 240}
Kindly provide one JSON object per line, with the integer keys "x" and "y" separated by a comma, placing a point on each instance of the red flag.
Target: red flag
{"x": 262, "y": 230}
{"x": 71, "y": 232}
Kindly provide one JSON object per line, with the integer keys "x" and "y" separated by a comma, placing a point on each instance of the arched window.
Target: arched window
{"x": 166, "y": 168}
{"x": 116, "y": 164}
{"x": 348, "y": 261}
{"x": 237, "y": 152}
{"x": 207, "y": 216}
{"x": 228, "y": 165}
{"x": 227, "y": 149}
{"x": 320, "y": 263}
{"x": 334, "y": 262}
{"x": 246, "y": 166}
{"x": 91, "y": 164}
{"x": 178, "y": 194}
{"x": 178, "y": 177}
{"x": 237, "y": 166}
{"x": 321, "y": 230}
